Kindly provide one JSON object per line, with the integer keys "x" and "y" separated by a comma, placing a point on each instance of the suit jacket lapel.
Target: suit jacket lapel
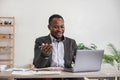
{"x": 48, "y": 39}
{"x": 66, "y": 52}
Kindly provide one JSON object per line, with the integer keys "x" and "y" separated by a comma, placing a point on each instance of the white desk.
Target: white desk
{"x": 104, "y": 73}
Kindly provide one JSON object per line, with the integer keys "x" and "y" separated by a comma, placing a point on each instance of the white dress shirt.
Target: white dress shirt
{"x": 57, "y": 53}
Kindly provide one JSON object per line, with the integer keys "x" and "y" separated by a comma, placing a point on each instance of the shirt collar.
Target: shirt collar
{"x": 55, "y": 40}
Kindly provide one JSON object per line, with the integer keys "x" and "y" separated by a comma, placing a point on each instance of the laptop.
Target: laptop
{"x": 87, "y": 61}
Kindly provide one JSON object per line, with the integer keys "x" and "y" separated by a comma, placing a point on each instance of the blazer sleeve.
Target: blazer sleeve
{"x": 74, "y": 47}
{"x": 70, "y": 51}
{"x": 39, "y": 61}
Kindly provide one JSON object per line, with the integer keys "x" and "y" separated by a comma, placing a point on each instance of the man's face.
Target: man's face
{"x": 56, "y": 28}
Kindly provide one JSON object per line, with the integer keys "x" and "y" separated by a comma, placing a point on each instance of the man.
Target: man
{"x": 54, "y": 50}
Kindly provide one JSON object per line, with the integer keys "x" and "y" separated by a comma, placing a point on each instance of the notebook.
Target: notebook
{"x": 87, "y": 60}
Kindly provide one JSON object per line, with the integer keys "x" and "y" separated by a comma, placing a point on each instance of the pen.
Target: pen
{"x": 39, "y": 46}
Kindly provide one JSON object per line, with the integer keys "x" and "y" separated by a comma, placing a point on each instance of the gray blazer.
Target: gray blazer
{"x": 70, "y": 48}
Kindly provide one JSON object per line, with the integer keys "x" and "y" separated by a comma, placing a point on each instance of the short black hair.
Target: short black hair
{"x": 55, "y": 16}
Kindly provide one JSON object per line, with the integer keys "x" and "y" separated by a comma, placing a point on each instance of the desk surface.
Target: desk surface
{"x": 104, "y": 73}
{"x": 100, "y": 74}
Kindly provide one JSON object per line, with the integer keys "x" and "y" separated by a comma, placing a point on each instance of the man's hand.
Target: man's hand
{"x": 46, "y": 49}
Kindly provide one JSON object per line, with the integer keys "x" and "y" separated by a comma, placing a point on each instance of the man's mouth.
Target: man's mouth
{"x": 59, "y": 34}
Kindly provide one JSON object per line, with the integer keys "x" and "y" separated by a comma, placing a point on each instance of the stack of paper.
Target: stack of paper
{"x": 34, "y": 72}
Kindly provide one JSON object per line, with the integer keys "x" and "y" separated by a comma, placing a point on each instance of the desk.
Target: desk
{"x": 104, "y": 73}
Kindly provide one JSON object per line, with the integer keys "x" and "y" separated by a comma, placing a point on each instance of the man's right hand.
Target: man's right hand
{"x": 46, "y": 49}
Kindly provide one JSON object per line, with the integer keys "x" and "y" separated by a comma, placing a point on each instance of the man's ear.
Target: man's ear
{"x": 49, "y": 27}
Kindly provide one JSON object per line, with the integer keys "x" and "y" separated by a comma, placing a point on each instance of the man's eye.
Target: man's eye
{"x": 55, "y": 27}
{"x": 58, "y": 26}
{"x": 62, "y": 26}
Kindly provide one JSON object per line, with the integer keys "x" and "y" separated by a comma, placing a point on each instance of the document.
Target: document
{"x": 49, "y": 69}
{"x": 18, "y": 69}
{"x": 22, "y": 73}
{"x": 34, "y": 72}
{"x": 25, "y": 71}
{"x": 47, "y": 72}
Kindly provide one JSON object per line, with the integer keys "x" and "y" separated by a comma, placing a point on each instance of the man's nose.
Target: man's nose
{"x": 60, "y": 29}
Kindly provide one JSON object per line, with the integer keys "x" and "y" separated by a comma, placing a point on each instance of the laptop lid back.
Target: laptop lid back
{"x": 88, "y": 60}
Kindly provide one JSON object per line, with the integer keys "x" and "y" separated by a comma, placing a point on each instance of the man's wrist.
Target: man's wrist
{"x": 46, "y": 57}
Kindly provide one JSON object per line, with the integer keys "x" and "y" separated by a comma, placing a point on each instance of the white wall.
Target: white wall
{"x": 87, "y": 21}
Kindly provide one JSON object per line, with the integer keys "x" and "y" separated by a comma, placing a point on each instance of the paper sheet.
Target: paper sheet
{"x": 34, "y": 72}
{"x": 48, "y": 69}
{"x": 17, "y": 69}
